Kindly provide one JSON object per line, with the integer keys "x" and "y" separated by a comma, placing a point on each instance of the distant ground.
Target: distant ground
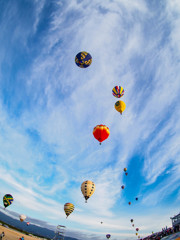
{"x": 175, "y": 236}
{"x": 15, "y": 235}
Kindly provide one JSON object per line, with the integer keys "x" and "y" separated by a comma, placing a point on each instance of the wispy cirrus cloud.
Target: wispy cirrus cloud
{"x": 47, "y": 122}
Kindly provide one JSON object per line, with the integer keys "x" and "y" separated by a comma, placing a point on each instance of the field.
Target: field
{"x": 11, "y": 234}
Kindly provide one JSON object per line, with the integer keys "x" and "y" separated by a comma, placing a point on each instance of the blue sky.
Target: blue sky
{"x": 49, "y": 107}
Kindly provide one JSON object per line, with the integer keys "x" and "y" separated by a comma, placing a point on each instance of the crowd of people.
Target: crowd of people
{"x": 159, "y": 235}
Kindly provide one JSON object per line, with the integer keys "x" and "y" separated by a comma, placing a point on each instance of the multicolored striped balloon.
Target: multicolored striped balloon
{"x": 68, "y": 208}
{"x": 83, "y": 59}
{"x": 118, "y": 91}
{"x": 7, "y": 200}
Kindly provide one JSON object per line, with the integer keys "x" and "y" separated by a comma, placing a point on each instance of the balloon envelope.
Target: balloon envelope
{"x": 87, "y": 188}
{"x": 101, "y": 132}
{"x": 7, "y": 200}
{"x": 108, "y": 236}
{"x": 83, "y": 59}
{"x": 118, "y": 91}
{"x": 68, "y": 208}
{"x": 120, "y": 106}
{"x": 22, "y": 217}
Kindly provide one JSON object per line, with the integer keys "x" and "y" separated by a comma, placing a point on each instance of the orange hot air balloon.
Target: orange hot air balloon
{"x": 101, "y": 133}
{"x": 129, "y": 203}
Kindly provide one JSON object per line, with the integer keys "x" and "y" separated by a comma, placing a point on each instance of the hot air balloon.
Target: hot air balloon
{"x": 120, "y": 106}
{"x": 137, "y": 229}
{"x": 132, "y": 225}
{"x": 22, "y": 217}
{"x": 108, "y": 236}
{"x": 138, "y": 236}
{"x": 129, "y": 203}
{"x": 131, "y": 220}
{"x": 122, "y": 186}
{"x": 136, "y": 198}
{"x": 136, "y": 233}
{"x": 68, "y": 208}
{"x": 118, "y": 91}
{"x": 101, "y": 133}
{"x": 27, "y": 223}
{"x": 7, "y": 200}
{"x": 87, "y": 188}
{"x": 83, "y": 59}
{"x": 125, "y": 169}
{"x": 101, "y": 222}
{"x": 126, "y": 173}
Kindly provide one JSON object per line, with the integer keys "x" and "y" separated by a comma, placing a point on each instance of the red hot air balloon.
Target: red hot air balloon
{"x": 137, "y": 229}
{"x": 129, "y": 203}
{"x": 101, "y": 133}
{"x": 126, "y": 173}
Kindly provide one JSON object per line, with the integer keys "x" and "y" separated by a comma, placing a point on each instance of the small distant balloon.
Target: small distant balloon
{"x": 137, "y": 229}
{"x": 83, "y": 59}
{"x": 28, "y": 223}
{"x": 22, "y": 217}
{"x": 101, "y": 222}
{"x": 108, "y": 236}
{"x": 125, "y": 169}
{"x": 129, "y": 203}
{"x": 131, "y": 220}
{"x": 126, "y": 173}
{"x": 132, "y": 225}
{"x": 122, "y": 186}
{"x": 136, "y": 198}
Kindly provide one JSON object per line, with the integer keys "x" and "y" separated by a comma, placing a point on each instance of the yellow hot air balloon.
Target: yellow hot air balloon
{"x": 87, "y": 188}
{"x": 68, "y": 208}
{"x": 120, "y": 106}
{"x": 136, "y": 234}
